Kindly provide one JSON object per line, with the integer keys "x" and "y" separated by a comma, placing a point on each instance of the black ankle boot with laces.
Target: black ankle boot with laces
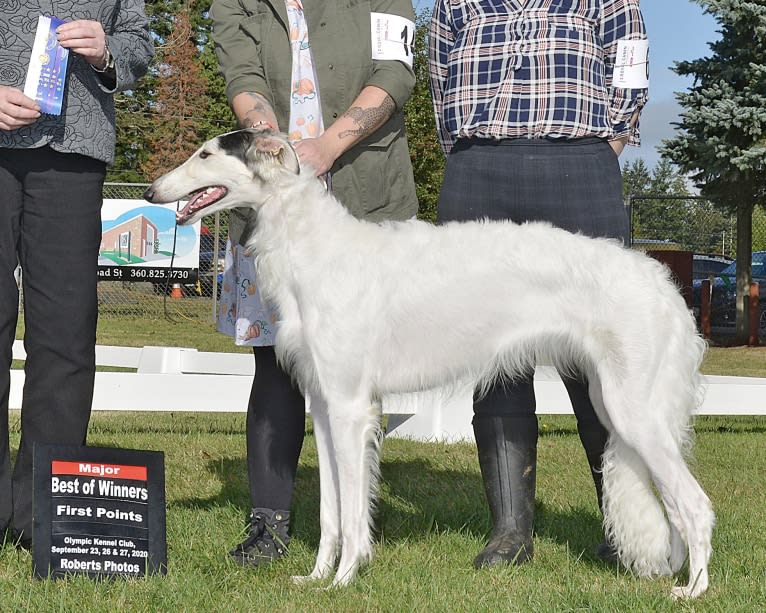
{"x": 268, "y": 538}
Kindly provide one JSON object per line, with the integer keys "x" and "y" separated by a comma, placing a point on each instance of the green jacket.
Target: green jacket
{"x": 374, "y": 179}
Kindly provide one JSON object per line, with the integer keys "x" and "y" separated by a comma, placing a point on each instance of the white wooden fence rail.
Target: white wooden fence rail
{"x": 183, "y": 379}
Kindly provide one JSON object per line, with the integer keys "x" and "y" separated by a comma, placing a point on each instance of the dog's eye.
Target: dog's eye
{"x": 204, "y": 154}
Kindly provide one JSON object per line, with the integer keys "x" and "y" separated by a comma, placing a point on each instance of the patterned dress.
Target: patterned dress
{"x": 242, "y": 313}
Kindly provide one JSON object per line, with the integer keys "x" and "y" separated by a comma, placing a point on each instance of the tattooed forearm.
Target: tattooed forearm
{"x": 369, "y": 119}
{"x": 260, "y": 106}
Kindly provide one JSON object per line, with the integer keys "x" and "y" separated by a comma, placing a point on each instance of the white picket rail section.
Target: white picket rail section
{"x": 184, "y": 379}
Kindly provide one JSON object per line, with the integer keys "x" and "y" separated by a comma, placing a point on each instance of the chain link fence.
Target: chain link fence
{"x": 692, "y": 226}
{"x": 681, "y": 223}
{"x": 180, "y": 293}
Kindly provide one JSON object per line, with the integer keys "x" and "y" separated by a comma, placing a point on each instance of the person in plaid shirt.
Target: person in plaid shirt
{"x": 534, "y": 102}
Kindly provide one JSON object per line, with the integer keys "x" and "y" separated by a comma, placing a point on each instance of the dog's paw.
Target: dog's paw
{"x": 303, "y": 579}
{"x": 687, "y": 592}
{"x": 319, "y": 573}
{"x": 680, "y": 592}
{"x": 342, "y": 580}
{"x": 697, "y": 586}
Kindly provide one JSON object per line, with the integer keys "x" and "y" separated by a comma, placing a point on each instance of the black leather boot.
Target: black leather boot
{"x": 268, "y": 538}
{"x": 507, "y": 449}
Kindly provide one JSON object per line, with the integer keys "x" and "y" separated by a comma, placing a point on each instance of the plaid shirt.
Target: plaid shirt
{"x": 534, "y": 69}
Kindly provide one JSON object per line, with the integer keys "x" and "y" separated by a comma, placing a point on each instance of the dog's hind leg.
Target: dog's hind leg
{"x": 690, "y": 511}
{"x": 649, "y": 443}
{"x": 677, "y": 549}
{"x": 355, "y": 428}
{"x": 329, "y": 494}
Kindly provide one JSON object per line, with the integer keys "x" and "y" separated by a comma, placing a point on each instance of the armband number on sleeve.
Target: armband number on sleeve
{"x": 392, "y": 37}
{"x": 631, "y": 66}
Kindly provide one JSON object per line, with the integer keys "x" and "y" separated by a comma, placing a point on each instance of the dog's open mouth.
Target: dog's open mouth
{"x": 200, "y": 200}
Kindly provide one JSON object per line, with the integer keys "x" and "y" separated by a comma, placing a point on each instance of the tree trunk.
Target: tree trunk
{"x": 744, "y": 269}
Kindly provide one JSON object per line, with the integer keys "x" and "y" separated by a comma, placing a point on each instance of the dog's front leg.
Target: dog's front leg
{"x": 329, "y": 503}
{"x": 355, "y": 428}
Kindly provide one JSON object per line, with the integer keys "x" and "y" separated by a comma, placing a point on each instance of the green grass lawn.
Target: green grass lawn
{"x": 432, "y": 519}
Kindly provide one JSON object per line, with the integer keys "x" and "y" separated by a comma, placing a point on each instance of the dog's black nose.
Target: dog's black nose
{"x": 149, "y": 194}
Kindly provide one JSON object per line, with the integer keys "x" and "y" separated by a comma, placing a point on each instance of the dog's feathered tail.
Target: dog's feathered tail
{"x": 634, "y": 519}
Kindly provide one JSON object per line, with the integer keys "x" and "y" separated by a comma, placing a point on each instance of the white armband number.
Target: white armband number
{"x": 631, "y": 66}
{"x": 392, "y": 37}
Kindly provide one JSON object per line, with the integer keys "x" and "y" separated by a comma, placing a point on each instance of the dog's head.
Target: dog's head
{"x": 230, "y": 170}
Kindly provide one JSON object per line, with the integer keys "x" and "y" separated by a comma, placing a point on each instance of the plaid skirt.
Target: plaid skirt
{"x": 573, "y": 184}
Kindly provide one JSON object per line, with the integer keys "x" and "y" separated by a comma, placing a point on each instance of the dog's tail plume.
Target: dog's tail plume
{"x": 634, "y": 520}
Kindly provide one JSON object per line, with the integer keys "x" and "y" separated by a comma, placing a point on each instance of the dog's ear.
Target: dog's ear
{"x": 237, "y": 144}
{"x": 275, "y": 146}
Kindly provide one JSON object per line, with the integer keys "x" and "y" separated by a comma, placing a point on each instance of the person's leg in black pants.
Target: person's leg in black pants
{"x": 276, "y": 419}
{"x": 60, "y": 228}
{"x": 10, "y": 214}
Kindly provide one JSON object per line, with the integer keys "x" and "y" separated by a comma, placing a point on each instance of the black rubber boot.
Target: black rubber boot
{"x": 593, "y": 437}
{"x": 507, "y": 449}
{"x": 268, "y": 538}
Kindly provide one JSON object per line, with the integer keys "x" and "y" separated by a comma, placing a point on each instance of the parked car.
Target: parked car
{"x": 704, "y": 265}
{"x": 723, "y": 309}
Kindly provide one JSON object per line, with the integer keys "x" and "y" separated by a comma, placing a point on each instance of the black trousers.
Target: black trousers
{"x": 276, "y": 421}
{"x": 50, "y": 223}
{"x": 575, "y": 185}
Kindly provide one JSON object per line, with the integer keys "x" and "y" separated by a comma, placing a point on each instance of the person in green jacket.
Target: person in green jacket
{"x": 329, "y": 77}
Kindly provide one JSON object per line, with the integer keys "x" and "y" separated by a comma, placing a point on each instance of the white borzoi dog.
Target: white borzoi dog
{"x": 369, "y": 309}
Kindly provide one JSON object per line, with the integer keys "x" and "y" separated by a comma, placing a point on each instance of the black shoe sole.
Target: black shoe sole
{"x": 607, "y": 554}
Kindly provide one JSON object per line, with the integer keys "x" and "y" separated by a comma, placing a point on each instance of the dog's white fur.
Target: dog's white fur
{"x": 369, "y": 309}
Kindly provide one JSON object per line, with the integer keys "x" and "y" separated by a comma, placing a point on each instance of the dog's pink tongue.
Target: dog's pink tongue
{"x": 200, "y": 201}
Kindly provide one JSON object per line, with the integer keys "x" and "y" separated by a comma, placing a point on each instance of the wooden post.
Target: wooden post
{"x": 705, "y": 323}
{"x": 754, "y": 314}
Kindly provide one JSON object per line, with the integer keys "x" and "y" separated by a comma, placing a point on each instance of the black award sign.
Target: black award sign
{"x": 98, "y": 512}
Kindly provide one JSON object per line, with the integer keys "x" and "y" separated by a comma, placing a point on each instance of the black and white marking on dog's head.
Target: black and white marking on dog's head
{"x": 259, "y": 149}
{"x": 227, "y": 171}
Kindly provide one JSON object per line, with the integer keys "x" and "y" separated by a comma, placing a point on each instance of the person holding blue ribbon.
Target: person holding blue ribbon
{"x": 55, "y": 143}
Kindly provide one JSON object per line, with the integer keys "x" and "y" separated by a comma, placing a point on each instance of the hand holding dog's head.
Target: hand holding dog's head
{"x": 238, "y": 168}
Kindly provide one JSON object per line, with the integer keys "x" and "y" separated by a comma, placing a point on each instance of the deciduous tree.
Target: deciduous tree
{"x": 180, "y": 101}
